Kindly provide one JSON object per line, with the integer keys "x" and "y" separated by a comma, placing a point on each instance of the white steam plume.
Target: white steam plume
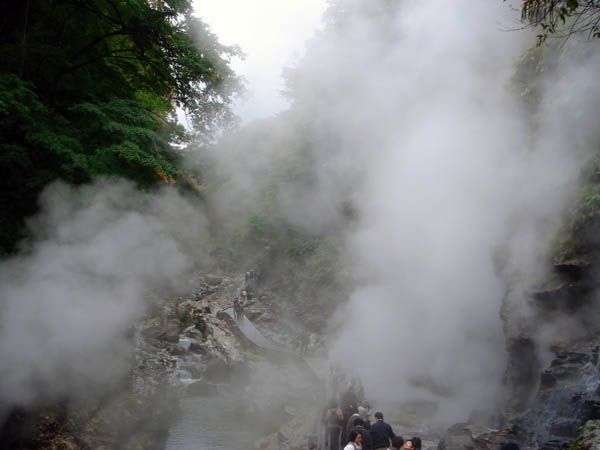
{"x": 68, "y": 301}
{"x": 454, "y": 177}
{"x": 409, "y": 109}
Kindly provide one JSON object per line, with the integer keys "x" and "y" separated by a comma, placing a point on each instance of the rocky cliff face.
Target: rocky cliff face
{"x": 553, "y": 338}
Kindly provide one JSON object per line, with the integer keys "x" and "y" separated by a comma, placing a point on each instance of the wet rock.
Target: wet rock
{"x": 213, "y": 280}
{"x": 253, "y": 314}
{"x": 568, "y": 396}
{"x": 458, "y": 437}
{"x": 589, "y": 438}
{"x": 152, "y": 332}
{"x": 590, "y": 410}
{"x": 197, "y": 348}
{"x": 170, "y": 332}
{"x": 522, "y": 370}
{"x": 565, "y": 428}
{"x": 177, "y": 350}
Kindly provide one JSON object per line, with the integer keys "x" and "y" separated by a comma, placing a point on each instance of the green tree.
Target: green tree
{"x": 91, "y": 87}
{"x": 563, "y": 17}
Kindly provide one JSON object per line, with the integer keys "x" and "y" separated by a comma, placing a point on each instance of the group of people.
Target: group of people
{"x": 349, "y": 426}
{"x": 239, "y": 303}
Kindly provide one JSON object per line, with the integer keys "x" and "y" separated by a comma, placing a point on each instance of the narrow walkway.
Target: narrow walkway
{"x": 318, "y": 366}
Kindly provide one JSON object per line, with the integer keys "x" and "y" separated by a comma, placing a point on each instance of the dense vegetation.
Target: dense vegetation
{"x": 91, "y": 87}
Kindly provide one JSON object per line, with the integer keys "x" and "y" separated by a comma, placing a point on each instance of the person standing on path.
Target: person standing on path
{"x": 381, "y": 433}
{"x": 333, "y": 423}
{"x": 355, "y": 442}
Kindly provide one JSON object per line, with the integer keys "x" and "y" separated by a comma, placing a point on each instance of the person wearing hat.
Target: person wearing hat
{"x": 381, "y": 433}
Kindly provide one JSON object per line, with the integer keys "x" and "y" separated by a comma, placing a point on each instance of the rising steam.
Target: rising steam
{"x": 69, "y": 300}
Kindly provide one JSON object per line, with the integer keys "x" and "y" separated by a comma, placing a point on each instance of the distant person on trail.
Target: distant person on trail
{"x": 381, "y": 433}
{"x": 397, "y": 443}
{"x": 333, "y": 424}
{"x": 355, "y": 441}
{"x": 303, "y": 342}
{"x": 236, "y": 309}
{"x": 367, "y": 441}
{"x": 242, "y": 303}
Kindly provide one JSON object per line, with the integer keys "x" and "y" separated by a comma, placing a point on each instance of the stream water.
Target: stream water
{"x": 218, "y": 422}
{"x": 211, "y": 424}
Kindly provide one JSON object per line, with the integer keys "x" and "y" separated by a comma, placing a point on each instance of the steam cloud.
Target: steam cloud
{"x": 69, "y": 300}
{"x": 409, "y": 115}
{"x": 414, "y": 117}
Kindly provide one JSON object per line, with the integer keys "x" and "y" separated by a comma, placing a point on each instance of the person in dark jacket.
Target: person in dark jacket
{"x": 397, "y": 443}
{"x": 416, "y": 443}
{"x": 349, "y": 405}
{"x": 367, "y": 442}
{"x": 381, "y": 433}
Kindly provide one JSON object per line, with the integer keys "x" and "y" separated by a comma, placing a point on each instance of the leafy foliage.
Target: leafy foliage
{"x": 563, "y": 17}
{"x": 90, "y": 88}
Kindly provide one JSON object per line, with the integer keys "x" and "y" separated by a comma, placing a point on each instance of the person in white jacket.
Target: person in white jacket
{"x": 355, "y": 441}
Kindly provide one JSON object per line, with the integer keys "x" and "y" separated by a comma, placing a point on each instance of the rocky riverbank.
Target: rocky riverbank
{"x": 184, "y": 348}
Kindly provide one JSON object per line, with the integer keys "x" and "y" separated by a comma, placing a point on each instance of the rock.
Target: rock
{"x": 213, "y": 280}
{"x": 468, "y": 436}
{"x": 590, "y": 410}
{"x": 458, "y": 437}
{"x": 589, "y": 438}
{"x": 170, "y": 332}
{"x": 567, "y": 397}
{"x": 253, "y": 315}
{"x": 177, "y": 350}
{"x": 152, "y": 332}
{"x": 197, "y": 348}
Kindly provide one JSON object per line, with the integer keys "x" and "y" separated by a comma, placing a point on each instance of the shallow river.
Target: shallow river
{"x": 210, "y": 424}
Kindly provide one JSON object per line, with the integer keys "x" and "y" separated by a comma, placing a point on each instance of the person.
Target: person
{"x": 242, "y": 303}
{"x": 364, "y": 410}
{"x": 304, "y": 339}
{"x": 397, "y": 443}
{"x": 236, "y": 309}
{"x": 333, "y": 425}
{"x": 416, "y": 442}
{"x": 381, "y": 432}
{"x": 367, "y": 442}
{"x": 352, "y": 421}
{"x": 348, "y": 403}
{"x": 408, "y": 445}
{"x": 355, "y": 441}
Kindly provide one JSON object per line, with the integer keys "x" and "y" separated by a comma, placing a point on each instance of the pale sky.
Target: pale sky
{"x": 272, "y": 34}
